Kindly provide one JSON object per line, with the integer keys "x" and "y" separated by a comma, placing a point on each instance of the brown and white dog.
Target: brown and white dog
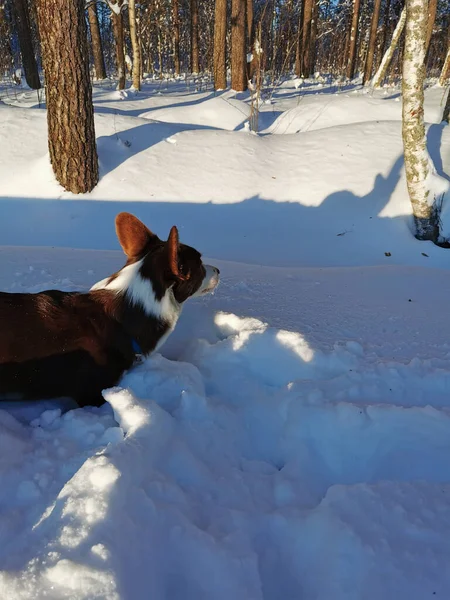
{"x": 68, "y": 344}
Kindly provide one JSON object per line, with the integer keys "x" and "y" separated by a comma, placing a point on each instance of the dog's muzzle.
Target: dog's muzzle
{"x": 210, "y": 282}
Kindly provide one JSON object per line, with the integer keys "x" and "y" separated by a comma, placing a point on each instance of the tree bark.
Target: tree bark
{"x": 238, "y": 54}
{"x": 176, "y": 37}
{"x": 417, "y": 160}
{"x": 70, "y": 114}
{"x": 306, "y": 42}
{"x": 6, "y": 55}
{"x": 387, "y": 58}
{"x": 135, "y": 44}
{"x": 298, "y": 45}
{"x": 446, "y": 113}
{"x": 386, "y": 18}
{"x": 220, "y": 44}
{"x": 432, "y": 7}
{"x": 117, "y": 21}
{"x": 351, "y": 58}
{"x": 22, "y": 19}
{"x": 250, "y": 23}
{"x": 445, "y": 73}
{"x": 312, "y": 44}
{"x": 97, "y": 48}
{"x": 372, "y": 41}
{"x": 195, "y": 66}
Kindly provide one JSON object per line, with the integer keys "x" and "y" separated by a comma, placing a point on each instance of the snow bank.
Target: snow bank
{"x": 218, "y": 478}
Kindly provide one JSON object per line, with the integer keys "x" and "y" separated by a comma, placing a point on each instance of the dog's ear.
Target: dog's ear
{"x": 134, "y": 236}
{"x": 173, "y": 246}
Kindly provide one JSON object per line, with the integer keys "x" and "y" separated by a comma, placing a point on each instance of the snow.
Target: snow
{"x": 291, "y": 437}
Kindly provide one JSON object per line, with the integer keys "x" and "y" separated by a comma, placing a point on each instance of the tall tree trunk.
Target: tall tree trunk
{"x": 117, "y": 21}
{"x": 372, "y": 41}
{"x": 313, "y": 40}
{"x": 384, "y": 31}
{"x": 97, "y": 48}
{"x": 22, "y": 19}
{"x": 70, "y": 114}
{"x": 220, "y": 44}
{"x": 298, "y": 45}
{"x": 306, "y": 42}
{"x": 446, "y": 113}
{"x": 387, "y": 58}
{"x": 445, "y": 73}
{"x": 432, "y": 7}
{"x": 250, "y": 23}
{"x": 417, "y": 160}
{"x": 176, "y": 37}
{"x": 6, "y": 55}
{"x": 195, "y": 67}
{"x": 135, "y": 44}
{"x": 238, "y": 54}
{"x": 351, "y": 57}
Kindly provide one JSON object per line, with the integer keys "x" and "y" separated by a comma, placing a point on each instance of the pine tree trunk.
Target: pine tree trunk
{"x": 6, "y": 55}
{"x": 372, "y": 41}
{"x": 387, "y": 58}
{"x": 135, "y": 44}
{"x": 176, "y": 37}
{"x": 195, "y": 66}
{"x": 238, "y": 55}
{"x": 117, "y": 21}
{"x": 386, "y": 18}
{"x": 417, "y": 160}
{"x": 220, "y": 44}
{"x": 70, "y": 113}
{"x": 312, "y": 45}
{"x": 432, "y": 7}
{"x": 97, "y": 49}
{"x": 250, "y": 23}
{"x": 306, "y": 42}
{"x": 351, "y": 58}
{"x": 22, "y": 19}
{"x": 298, "y": 46}
{"x": 445, "y": 73}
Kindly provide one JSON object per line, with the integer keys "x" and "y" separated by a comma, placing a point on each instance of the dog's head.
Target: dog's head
{"x": 159, "y": 275}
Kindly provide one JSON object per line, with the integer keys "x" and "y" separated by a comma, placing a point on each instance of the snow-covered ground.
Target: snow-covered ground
{"x": 292, "y": 439}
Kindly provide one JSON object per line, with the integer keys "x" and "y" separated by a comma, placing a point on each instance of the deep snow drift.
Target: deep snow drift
{"x": 292, "y": 439}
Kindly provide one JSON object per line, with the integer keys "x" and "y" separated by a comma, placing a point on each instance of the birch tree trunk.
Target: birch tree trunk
{"x": 97, "y": 49}
{"x": 220, "y": 44}
{"x": 351, "y": 59}
{"x": 135, "y": 45}
{"x": 387, "y": 58}
{"x": 372, "y": 41}
{"x": 22, "y": 19}
{"x": 417, "y": 160}
{"x": 70, "y": 114}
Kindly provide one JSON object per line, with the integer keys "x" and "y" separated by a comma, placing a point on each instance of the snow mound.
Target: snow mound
{"x": 313, "y": 111}
{"x": 222, "y": 112}
{"x": 218, "y": 479}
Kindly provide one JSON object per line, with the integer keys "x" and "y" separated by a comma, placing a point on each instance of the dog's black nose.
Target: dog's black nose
{"x": 217, "y": 270}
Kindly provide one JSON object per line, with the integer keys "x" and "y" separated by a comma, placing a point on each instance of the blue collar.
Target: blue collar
{"x": 136, "y": 348}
